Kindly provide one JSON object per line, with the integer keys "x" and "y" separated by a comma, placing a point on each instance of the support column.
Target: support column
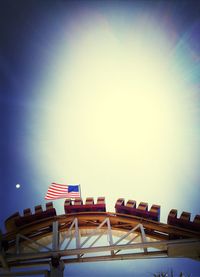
{"x": 55, "y": 236}
{"x": 3, "y": 248}
{"x": 57, "y": 267}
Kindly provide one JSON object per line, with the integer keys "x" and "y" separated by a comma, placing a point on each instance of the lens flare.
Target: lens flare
{"x": 119, "y": 117}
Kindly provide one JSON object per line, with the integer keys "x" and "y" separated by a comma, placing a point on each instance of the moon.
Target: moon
{"x": 18, "y": 186}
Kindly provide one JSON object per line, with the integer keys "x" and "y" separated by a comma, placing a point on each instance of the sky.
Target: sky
{"x": 105, "y": 94}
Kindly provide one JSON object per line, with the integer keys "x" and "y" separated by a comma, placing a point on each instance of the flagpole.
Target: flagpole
{"x": 80, "y": 190}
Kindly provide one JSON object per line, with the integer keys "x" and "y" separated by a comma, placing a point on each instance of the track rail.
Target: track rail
{"x": 29, "y": 245}
{"x": 120, "y": 222}
{"x": 87, "y": 233}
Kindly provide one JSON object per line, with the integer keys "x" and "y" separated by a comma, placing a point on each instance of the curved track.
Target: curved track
{"x": 94, "y": 236}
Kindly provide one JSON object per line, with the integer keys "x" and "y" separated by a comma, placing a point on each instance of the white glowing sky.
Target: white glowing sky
{"x": 116, "y": 116}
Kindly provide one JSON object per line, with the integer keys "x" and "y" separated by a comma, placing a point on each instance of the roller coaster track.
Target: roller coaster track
{"x": 91, "y": 237}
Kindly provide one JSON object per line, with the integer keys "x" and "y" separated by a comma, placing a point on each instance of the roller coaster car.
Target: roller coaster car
{"x": 89, "y": 205}
{"x": 140, "y": 211}
{"x": 184, "y": 220}
{"x": 73, "y": 208}
{"x": 16, "y": 220}
{"x": 10, "y": 222}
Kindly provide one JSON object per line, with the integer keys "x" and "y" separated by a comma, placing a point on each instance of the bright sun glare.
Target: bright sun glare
{"x": 118, "y": 116}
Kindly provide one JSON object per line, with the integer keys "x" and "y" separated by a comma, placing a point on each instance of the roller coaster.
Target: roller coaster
{"x": 88, "y": 233}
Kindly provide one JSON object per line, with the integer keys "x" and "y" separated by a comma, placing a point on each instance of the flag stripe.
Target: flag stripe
{"x": 58, "y": 186}
{"x": 57, "y": 191}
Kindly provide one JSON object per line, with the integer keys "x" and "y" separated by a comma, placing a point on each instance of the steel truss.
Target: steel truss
{"x": 92, "y": 238}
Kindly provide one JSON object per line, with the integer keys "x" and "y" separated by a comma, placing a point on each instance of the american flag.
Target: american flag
{"x": 56, "y": 191}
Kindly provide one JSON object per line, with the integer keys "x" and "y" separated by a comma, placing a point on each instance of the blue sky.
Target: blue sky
{"x": 105, "y": 94}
